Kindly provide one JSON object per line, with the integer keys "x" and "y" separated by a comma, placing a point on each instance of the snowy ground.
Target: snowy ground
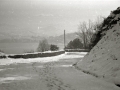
{"x": 51, "y": 73}
{"x": 103, "y": 60}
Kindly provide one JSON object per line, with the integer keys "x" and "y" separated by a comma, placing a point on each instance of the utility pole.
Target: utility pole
{"x": 64, "y": 39}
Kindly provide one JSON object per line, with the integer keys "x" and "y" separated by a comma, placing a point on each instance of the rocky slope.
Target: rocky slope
{"x": 103, "y": 60}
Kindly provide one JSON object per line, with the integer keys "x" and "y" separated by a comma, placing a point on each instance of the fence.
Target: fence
{"x": 77, "y": 50}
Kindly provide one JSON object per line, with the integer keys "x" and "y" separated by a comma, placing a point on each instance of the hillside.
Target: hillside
{"x": 17, "y": 45}
{"x": 51, "y": 39}
{"x": 60, "y": 39}
{"x": 103, "y": 60}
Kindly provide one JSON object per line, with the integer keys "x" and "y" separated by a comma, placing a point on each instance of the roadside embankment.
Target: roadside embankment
{"x": 103, "y": 60}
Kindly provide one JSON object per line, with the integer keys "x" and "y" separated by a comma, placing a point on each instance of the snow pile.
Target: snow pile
{"x": 67, "y": 55}
{"x": 104, "y": 59}
{"x": 10, "y": 79}
{"x": 9, "y": 61}
{"x": 36, "y": 54}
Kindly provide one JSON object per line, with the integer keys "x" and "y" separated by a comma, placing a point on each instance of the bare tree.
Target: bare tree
{"x": 86, "y": 31}
{"x": 43, "y": 46}
{"x": 98, "y": 23}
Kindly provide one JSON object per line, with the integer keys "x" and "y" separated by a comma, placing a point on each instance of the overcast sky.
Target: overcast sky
{"x": 49, "y": 17}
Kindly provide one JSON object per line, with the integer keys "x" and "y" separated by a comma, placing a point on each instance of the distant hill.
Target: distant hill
{"x": 60, "y": 39}
{"x": 51, "y": 39}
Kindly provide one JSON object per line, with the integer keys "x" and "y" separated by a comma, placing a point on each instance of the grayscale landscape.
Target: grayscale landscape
{"x": 59, "y": 45}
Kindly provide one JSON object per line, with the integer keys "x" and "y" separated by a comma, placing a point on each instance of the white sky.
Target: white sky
{"x": 51, "y": 17}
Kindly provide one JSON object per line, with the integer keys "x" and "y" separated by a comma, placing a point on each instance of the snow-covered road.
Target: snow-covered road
{"x": 51, "y": 73}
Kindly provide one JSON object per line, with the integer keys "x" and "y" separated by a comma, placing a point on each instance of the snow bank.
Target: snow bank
{"x": 104, "y": 59}
{"x": 36, "y": 54}
{"x": 41, "y": 60}
{"x": 65, "y": 56}
{"x": 10, "y": 79}
{"x": 73, "y": 55}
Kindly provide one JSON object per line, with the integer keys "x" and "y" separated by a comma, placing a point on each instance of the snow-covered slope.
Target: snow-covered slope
{"x": 104, "y": 59}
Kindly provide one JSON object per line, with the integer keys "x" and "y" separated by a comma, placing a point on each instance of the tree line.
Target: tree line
{"x": 88, "y": 35}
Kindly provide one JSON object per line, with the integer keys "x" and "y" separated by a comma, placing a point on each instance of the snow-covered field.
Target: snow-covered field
{"x": 51, "y": 73}
{"x": 41, "y": 60}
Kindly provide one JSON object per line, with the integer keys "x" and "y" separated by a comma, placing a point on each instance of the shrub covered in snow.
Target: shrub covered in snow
{"x": 43, "y": 46}
{"x": 75, "y": 44}
{"x": 54, "y": 47}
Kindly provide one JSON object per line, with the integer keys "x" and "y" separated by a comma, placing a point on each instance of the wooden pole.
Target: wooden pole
{"x": 64, "y": 39}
